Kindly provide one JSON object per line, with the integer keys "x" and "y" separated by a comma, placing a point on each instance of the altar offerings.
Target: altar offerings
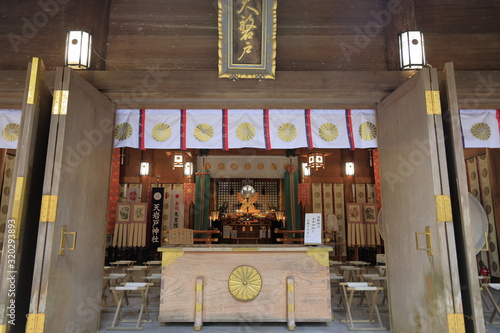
{"x": 267, "y": 283}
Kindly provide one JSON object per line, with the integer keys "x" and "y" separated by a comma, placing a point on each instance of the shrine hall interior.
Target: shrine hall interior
{"x": 326, "y": 58}
{"x": 329, "y": 55}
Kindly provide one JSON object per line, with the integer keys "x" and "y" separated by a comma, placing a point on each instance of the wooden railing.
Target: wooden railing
{"x": 295, "y": 238}
{"x": 207, "y": 240}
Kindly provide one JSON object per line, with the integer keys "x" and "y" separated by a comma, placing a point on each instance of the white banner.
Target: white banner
{"x": 176, "y": 206}
{"x": 10, "y": 125}
{"x": 246, "y": 129}
{"x": 204, "y": 129}
{"x": 127, "y": 128}
{"x": 480, "y": 128}
{"x": 364, "y": 128}
{"x": 162, "y": 129}
{"x": 329, "y": 129}
{"x": 287, "y": 129}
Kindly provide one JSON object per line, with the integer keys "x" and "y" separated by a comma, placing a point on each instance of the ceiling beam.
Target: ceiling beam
{"x": 293, "y": 90}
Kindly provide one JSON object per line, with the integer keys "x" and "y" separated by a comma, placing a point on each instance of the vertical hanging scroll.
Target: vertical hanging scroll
{"x": 328, "y": 212}
{"x": 317, "y": 198}
{"x": 247, "y": 39}
{"x": 487, "y": 203}
{"x": 338, "y": 190}
{"x": 157, "y": 197}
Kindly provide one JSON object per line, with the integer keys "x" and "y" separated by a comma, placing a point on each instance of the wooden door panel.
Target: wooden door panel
{"x": 24, "y": 204}
{"x": 79, "y": 179}
{"x": 464, "y": 231}
{"x": 410, "y": 148}
{"x": 45, "y": 229}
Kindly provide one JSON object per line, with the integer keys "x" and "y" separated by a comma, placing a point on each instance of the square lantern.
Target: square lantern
{"x": 144, "y": 171}
{"x": 188, "y": 169}
{"x": 349, "y": 169}
{"x": 411, "y": 50}
{"x": 306, "y": 170}
{"x": 316, "y": 161}
{"x": 178, "y": 160}
{"x": 78, "y": 50}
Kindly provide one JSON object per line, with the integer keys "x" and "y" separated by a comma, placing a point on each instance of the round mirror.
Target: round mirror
{"x": 479, "y": 222}
{"x": 380, "y": 221}
{"x": 478, "y": 217}
{"x": 247, "y": 190}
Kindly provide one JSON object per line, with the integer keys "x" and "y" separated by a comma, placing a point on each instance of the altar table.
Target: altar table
{"x": 231, "y": 283}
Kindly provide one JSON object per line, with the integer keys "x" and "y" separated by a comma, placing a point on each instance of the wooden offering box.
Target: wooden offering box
{"x": 231, "y": 283}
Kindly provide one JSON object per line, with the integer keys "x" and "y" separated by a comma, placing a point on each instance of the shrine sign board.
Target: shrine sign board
{"x": 247, "y": 39}
{"x": 180, "y": 236}
{"x": 313, "y": 229}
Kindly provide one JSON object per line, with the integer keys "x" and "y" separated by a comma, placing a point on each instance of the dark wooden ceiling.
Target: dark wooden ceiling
{"x": 328, "y": 52}
{"x": 311, "y": 36}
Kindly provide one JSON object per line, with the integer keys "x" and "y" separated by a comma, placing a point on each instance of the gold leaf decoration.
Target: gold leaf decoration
{"x": 367, "y": 131}
{"x": 328, "y": 132}
{"x": 168, "y": 257}
{"x": 481, "y": 131}
{"x": 287, "y": 132}
{"x": 320, "y": 255}
{"x": 245, "y": 131}
{"x": 245, "y": 283}
{"x": 161, "y": 132}
{"x": 123, "y": 131}
{"x": 11, "y": 132}
{"x": 203, "y": 132}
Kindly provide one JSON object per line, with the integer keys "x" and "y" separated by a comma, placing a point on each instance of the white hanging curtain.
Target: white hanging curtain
{"x": 162, "y": 129}
{"x": 480, "y": 128}
{"x": 127, "y": 128}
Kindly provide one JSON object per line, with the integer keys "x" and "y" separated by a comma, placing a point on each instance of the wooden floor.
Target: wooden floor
{"x": 335, "y": 326}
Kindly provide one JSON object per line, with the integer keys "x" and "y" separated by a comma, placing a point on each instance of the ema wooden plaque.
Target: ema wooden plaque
{"x": 180, "y": 236}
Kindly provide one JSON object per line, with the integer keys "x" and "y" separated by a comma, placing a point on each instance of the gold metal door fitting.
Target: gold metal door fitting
{"x": 62, "y": 241}
{"x": 428, "y": 240}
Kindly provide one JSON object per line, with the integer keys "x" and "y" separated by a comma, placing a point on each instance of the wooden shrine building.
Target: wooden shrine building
{"x": 246, "y": 113}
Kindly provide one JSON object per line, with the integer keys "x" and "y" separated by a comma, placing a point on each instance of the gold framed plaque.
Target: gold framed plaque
{"x": 247, "y": 39}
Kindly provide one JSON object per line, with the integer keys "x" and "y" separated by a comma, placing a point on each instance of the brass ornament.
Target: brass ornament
{"x": 320, "y": 255}
{"x": 168, "y": 257}
{"x": 245, "y": 283}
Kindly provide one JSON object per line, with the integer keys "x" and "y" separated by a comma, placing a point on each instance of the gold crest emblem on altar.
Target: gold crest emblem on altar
{"x": 245, "y": 283}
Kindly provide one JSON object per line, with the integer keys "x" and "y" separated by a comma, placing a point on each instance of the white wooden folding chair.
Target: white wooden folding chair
{"x": 348, "y": 291}
{"x": 119, "y": 294}
{"x": 485, "y": 287}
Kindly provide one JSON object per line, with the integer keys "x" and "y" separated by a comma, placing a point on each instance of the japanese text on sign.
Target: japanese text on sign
{"x": 248, "y": 30}
{"x": 313, "y": 229}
